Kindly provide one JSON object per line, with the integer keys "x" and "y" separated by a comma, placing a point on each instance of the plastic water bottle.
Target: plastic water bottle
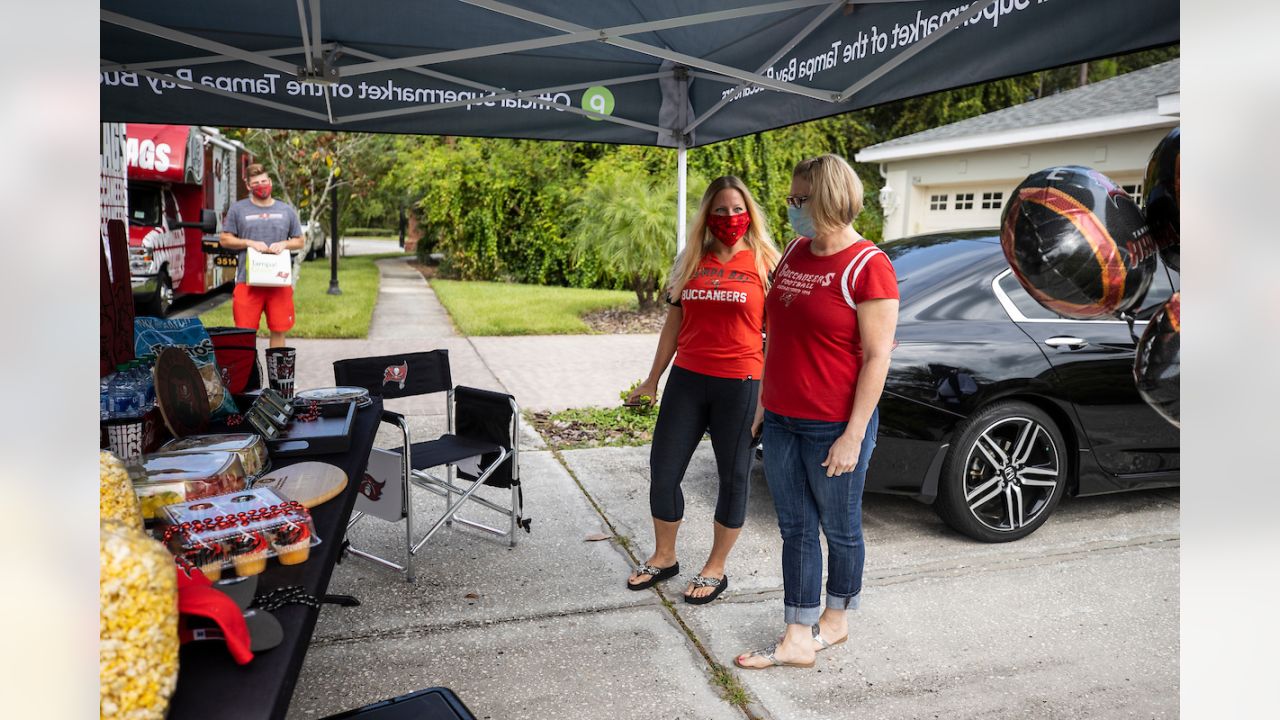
{"x": 120, "y": 393}
{"x": 104, "y": 397}
{"x": 148, "y": 382}
{"x": 139, "y": 383}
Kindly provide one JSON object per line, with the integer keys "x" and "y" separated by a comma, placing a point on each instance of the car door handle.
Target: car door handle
{"x": 1066, "y": 341}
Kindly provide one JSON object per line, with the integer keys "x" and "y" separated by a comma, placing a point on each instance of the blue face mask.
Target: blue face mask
{"x": 801, "y": 222}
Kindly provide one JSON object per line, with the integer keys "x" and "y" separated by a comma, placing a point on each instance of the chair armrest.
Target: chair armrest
{"x": 390, "y": 416}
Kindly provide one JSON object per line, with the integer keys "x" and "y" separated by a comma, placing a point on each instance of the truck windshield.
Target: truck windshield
{"x": 144, "y": 205}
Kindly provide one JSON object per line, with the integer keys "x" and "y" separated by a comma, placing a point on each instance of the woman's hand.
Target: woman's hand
{"x": 648, "y": 388}
{"x": 757, "y": 425}
{"x": 843, "y": 455}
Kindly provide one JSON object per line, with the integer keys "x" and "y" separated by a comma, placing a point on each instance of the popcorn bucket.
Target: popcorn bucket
{"x": 280, "y": 369}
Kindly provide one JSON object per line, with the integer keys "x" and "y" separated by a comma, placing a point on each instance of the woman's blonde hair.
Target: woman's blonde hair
{"x": 835, "y": 192}
{"x": 700, "y": 238}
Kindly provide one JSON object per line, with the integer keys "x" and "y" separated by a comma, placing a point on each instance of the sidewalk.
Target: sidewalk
{"x": 547, "y": 630}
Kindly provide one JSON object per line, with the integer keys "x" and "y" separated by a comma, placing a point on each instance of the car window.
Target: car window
{"x": 1162, "y": 285}
{"x": 1163, "y": 282}
{"x": 1026, "y": 304}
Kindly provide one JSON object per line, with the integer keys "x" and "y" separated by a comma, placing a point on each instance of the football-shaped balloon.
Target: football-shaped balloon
{"x": 1078, "y": 243}
{"x": 1156, "y": 368}
{"x": 1164, "y": 196}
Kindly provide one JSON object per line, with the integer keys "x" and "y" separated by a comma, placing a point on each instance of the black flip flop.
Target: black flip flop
{"x": 700, "y": 581}
{"x": 656, "y": 575}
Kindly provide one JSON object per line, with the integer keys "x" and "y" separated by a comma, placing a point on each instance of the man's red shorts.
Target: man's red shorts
{"x": 248, "y": 304}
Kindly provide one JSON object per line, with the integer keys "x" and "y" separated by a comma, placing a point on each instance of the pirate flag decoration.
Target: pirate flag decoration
{"x": 1156, "y": 366}
{"x": 1078, "y": 243}
{"x": 1164, "y": 196}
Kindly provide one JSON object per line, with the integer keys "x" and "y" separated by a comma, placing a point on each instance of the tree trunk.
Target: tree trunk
{"x": 1084, "y": 75}
{"x": 645, "y": 292}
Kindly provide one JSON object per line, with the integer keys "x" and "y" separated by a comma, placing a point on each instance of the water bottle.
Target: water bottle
{"x": 104, "y": 398}
{"x": 148, "y": 382}
{"x": 119, "y": 392}
{"x": 139, "y": 386}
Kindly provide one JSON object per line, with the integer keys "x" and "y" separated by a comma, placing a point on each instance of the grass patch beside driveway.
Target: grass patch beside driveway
{"x": 318, "y": 314}
{"x": 493, "y": 308}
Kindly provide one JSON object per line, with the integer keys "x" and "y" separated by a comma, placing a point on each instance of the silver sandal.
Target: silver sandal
{"x": 771, "y": 654}
{"x": 822, "y": 642}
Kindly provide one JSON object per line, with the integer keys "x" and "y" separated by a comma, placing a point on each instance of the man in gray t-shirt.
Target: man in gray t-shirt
{"x": 269, "y": 226}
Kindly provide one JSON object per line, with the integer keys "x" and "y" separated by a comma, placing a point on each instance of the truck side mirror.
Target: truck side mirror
{"x": 208, "y": 222}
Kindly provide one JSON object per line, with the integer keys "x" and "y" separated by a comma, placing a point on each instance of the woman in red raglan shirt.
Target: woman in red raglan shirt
{"x": 831, "y": 315}
{"x": 714, "y": 320}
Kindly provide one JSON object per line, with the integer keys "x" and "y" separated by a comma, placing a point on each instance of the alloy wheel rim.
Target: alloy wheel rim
{"x": 1011, "y": 473}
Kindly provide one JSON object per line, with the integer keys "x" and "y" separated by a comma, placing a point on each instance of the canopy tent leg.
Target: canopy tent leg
{"x": 682, "y": 180}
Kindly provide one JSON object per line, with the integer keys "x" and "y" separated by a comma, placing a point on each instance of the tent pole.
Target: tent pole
{"x": 682, "y": 180}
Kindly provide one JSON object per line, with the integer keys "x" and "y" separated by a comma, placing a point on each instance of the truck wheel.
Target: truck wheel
{"x": 163, "y": 300}
{"x": 320, "y": 248}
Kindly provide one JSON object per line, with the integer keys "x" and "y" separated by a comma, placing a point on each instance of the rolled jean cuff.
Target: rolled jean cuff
{"x": 837, "y": 602}
{"x": 794, "y": 615}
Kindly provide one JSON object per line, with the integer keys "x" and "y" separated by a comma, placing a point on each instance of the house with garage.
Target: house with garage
{"x": 958, "y": 176}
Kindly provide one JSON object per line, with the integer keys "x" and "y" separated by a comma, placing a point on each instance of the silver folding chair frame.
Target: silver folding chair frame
{"x": 448, "y": 488}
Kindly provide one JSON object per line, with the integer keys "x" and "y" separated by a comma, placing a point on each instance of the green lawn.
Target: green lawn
{"x": 491, "y": 308}
{"x": 318, "y": 314}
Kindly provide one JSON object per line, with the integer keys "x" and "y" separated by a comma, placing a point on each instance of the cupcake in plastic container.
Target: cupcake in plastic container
{"x": 292, "y": 543}
{"x": 249, "y": 553}
{"x": 208, "y": 556}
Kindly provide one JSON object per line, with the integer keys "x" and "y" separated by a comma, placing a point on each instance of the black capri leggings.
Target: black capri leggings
{"x": 692, "y": 404}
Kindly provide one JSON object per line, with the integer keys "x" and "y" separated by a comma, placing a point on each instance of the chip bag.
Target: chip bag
{"x": 151, "y": 333}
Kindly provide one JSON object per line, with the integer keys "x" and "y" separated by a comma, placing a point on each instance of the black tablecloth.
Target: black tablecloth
{"x": 210, "y": 684}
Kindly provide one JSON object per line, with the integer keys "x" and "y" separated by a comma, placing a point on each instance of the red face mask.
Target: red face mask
{"x": 729, "y": 229}
{"x": 263, "y": 191}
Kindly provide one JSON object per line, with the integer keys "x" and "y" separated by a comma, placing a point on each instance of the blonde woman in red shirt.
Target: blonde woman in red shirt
{"x": 831, "y": 311}
{"x": 713, "y": 330}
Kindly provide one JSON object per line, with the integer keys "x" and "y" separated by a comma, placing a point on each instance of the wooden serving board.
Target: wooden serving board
{"x": 310, "y": 483}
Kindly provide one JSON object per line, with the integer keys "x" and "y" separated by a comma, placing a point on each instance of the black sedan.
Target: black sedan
{"x": 995, "y": 407}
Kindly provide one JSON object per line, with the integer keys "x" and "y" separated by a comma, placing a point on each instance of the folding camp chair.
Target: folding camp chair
{"x": 482, "y": 445}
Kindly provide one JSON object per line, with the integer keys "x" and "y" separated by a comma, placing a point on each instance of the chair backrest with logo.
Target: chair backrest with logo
{"x": 393, "y": 376}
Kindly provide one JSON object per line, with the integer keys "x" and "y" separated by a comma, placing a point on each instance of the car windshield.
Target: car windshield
{"x": 144, "y": 205}
{"x": 923, "y": 262}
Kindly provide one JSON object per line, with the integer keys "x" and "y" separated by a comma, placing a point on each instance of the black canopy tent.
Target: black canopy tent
{"x": 674, "y": 73}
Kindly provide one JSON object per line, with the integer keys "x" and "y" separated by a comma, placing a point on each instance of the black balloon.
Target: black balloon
{"x": 1077, "y": 243}
{"x": 1164, "y": 196}
{"x": 1156, "y": 366}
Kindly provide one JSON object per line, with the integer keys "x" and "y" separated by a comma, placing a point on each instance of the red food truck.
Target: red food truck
{"x": 181, "y": 180}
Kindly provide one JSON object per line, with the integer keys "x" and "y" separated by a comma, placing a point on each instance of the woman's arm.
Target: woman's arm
{"x": 662, "y": 357}
{"x": 877, "y": 321}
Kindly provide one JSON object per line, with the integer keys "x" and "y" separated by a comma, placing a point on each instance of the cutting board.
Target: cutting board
{"x": 310, "y": 483}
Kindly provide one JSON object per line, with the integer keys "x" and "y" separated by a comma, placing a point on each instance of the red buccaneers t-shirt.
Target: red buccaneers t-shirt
{"x": 723, "y": 314}
{"x": 815, "y": 351}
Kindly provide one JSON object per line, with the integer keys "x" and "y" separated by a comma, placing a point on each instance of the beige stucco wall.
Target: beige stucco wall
{"x": 1121, "y": 157}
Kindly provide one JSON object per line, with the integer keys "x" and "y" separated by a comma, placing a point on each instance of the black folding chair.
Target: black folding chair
{"x": 482, "y": 444}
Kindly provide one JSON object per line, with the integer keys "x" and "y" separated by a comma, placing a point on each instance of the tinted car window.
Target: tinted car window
{"x": 1026, "y": 304}
{"x": 945, "y": 277}
{"x": 1163, "y": 282}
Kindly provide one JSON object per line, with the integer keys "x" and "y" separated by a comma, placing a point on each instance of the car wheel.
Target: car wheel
{"x": 320, "y": 248}
{"x": 1004, "y": 474}
{"x": 163, "y": 300}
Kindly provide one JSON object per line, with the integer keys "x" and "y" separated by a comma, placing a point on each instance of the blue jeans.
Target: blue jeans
{"x": 807, "y": 499}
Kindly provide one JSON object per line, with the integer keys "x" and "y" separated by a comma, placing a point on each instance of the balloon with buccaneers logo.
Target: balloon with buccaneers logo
{"x": 1156, "y": 367}
{"x": 1077, "y": 243}
{"x": 1164, "y": 196}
